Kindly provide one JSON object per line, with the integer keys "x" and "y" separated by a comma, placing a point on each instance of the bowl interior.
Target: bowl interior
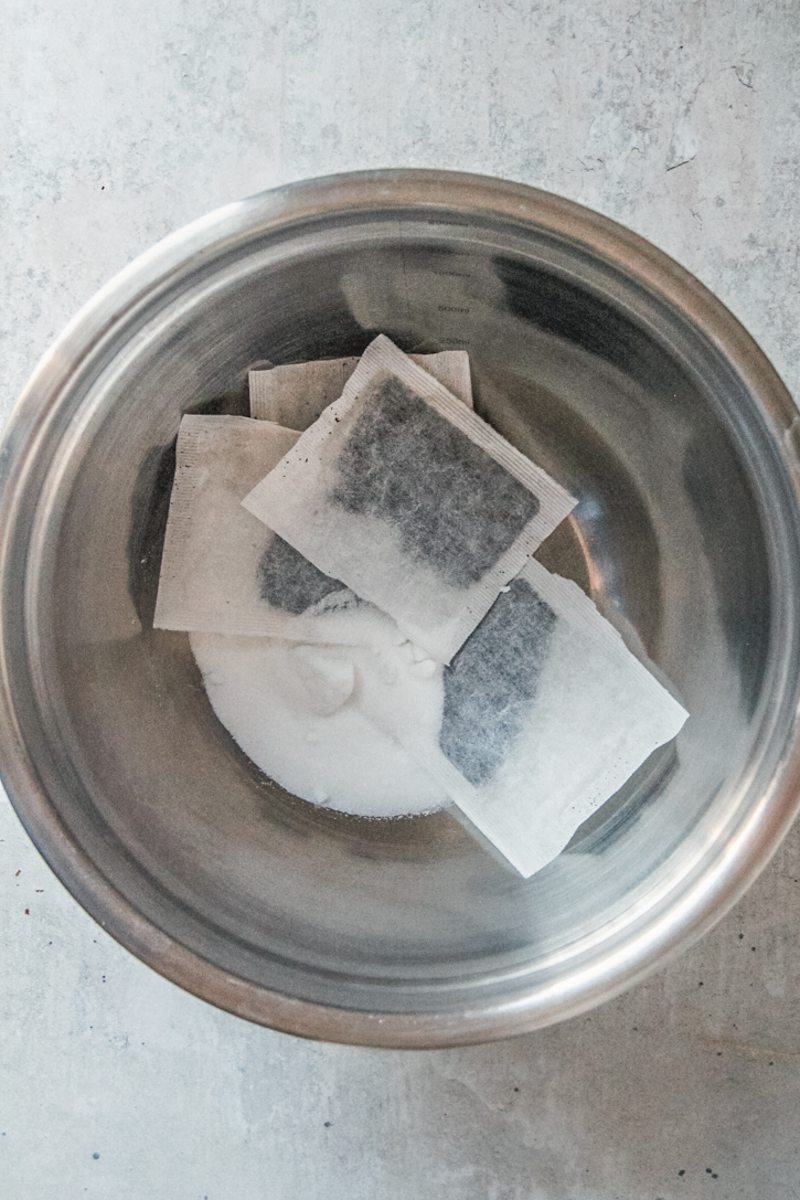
{"x": 584, "y": 370}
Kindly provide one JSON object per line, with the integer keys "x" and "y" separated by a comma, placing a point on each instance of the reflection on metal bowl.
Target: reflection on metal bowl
{"x": 593, "y": 353}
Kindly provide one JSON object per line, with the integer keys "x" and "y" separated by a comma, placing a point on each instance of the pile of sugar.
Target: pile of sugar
{"x": 290, "y": 707}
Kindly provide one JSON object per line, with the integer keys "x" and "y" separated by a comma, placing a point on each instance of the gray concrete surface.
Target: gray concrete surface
{"x": 121, "y": 122}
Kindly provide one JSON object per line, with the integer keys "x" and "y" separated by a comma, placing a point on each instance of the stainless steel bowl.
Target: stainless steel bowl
{"x": 592, "y": 352}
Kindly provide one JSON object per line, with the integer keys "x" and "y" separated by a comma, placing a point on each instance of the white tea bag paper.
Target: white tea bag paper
{"x": 221, "y": 570}
{"x": 295, "y": 395}
{"x": 411, "y": 500}
{"x": 542, "y": 715}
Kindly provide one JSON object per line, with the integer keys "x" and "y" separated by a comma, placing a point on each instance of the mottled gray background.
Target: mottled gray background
{"x": 120, "y": 122}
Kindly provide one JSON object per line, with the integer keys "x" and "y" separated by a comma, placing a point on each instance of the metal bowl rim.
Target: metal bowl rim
{"x": 233, "y": 225}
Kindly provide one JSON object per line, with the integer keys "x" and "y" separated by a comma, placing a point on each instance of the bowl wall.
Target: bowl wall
{"x": 594, "y": 355}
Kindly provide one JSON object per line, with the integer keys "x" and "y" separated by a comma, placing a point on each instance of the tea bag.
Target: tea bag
{"x": 541, "y": 716}
{"x": 221, "y": 570}
{"x": 295, "y": 395}
{"x": 411, "y": 500}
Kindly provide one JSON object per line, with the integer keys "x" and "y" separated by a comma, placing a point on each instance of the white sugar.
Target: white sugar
{"x": 291, "y": 708}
